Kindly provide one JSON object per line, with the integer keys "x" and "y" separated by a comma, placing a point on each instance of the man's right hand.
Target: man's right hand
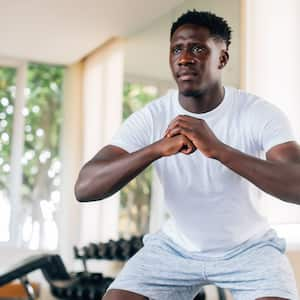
{"x": 171, "y": 145}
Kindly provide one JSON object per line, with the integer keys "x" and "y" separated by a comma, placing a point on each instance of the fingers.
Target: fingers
{"x": 174, "y": 124}
{"x": 188, "y": 149}
{"x": 187, "y": 146}
{"x": 182, "y": 121}
{"x": 179, "y": 130}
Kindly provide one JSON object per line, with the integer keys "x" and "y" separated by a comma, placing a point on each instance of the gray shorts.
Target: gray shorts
{"x": 162, "y": 270}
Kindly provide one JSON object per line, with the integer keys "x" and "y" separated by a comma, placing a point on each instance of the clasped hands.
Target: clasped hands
{"x": 187, "y": 134}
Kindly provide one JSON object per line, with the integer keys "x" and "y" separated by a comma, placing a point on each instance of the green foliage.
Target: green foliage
{"x": 135, "y": 196}
{"x": 42, "y": 127}
{"x": 43, "y": 117}
{"x": 7, "y": 98}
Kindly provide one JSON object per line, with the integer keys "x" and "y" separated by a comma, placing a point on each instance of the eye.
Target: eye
{"x": 197, "y": 49}
{"x": 176, "y": 50}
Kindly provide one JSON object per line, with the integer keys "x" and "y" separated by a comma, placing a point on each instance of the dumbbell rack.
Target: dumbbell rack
{"x": 120, "y": 250}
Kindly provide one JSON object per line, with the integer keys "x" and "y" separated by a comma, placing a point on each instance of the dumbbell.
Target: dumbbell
{"x": 124, "y": 249}
{"x": 82, "y": 253}
{"x": 136, "y": 244}
{"x": 92, "y": 250}
{"x": 95, "y": 292}
{"x": 82, "y": 291}
{"x": 102, "y": 250}
{"x": 112, "y": 249}
{"x": 58, "y": 292}
{"x": 121, "y": 249}
{"x": 83, "y": 277}
{"x": 70, "y": 292}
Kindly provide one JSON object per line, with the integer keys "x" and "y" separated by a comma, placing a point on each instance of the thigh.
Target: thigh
{"x": 160, "y": 271}
{"x": 262, "y": 270}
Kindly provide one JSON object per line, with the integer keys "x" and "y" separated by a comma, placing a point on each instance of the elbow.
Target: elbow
{"x": 79, "y": 192}
{"x": 92, "y": 186}
{"x": 83, "y": 193}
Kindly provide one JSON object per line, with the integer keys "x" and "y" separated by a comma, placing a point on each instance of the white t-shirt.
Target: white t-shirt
{"x": 212, "y": 208}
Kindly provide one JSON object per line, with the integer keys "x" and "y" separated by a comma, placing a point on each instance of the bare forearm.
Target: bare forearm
{"x": 280, "y": 179}
{"x": 100, "y": 179}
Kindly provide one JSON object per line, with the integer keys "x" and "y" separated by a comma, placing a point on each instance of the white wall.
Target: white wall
{"x": 271, "y": 70}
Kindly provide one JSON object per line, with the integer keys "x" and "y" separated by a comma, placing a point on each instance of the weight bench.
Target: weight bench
{"x": 51, "y": 266}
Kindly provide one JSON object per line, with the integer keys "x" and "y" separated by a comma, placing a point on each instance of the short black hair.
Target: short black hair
{"x": 217, "y": 26}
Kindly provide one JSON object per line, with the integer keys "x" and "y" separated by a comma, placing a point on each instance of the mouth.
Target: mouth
{"x": 187, "y": 77}
{"x": 183, "y": 76}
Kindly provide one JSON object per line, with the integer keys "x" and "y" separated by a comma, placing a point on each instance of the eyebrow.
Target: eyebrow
{"x": 193, "y": 39}
{"x": 178, "y": 43}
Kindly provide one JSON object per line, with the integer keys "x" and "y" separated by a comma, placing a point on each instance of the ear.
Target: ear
{"x": 224, "y": 57}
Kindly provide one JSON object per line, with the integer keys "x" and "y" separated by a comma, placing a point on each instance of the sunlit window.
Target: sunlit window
{"x": 40, "y": 163}
{"x": 7, "y": 99}
{"x": 135, "y": 196}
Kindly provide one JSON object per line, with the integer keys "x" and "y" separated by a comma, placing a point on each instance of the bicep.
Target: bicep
{"x": 109, "y": 153}
{"x": 286, "y": 152}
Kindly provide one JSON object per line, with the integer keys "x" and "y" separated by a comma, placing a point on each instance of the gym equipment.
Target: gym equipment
{"x": 112, "y": 250}
{"x": 81, "y": 285}
{"x": 51, "y": 266}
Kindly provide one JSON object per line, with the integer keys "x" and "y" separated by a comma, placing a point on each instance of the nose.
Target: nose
{"x": 185, "y": 58}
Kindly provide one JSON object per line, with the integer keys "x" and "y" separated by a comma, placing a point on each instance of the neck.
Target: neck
{"x": 205, "y": 101}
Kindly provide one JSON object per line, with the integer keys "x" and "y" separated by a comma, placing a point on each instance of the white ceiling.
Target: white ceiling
{"x": 63, "y": 31}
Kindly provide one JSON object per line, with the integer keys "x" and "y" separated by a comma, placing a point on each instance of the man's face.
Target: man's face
{"x": 196, "y": 59}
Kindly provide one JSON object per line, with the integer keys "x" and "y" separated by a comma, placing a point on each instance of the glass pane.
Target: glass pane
{"x": 7, "y": 100}
{"x": 41, "y": 161}
{"x": 135, "y": 196}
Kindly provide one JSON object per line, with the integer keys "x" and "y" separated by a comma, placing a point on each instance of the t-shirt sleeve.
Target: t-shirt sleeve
{"x": 269, "y": 125}
{"x": 135, "y": 133}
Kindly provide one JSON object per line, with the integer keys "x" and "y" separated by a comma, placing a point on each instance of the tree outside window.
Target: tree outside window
{"x": 40, "y": 161}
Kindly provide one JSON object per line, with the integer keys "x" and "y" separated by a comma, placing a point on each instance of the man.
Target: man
{"x": 213, "y": 147}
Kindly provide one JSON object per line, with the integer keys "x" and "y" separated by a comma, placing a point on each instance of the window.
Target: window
{"x": 30, "y": 163}
{"x": 135, "y": 196}
{"x": 7, "y": 100}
